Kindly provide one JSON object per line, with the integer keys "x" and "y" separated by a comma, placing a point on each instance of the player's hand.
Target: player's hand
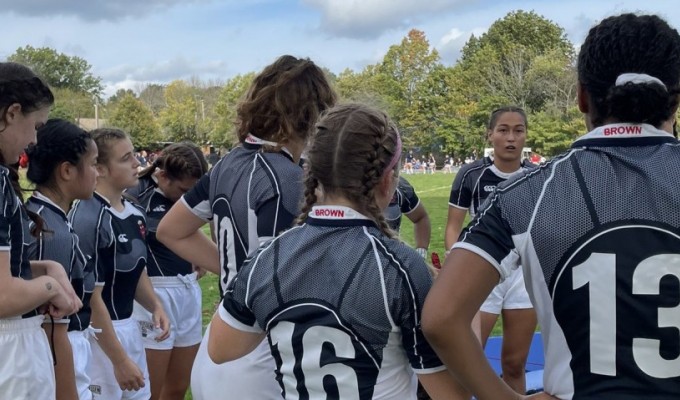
{"x": 128, "y": 375}
{"x": 161, "y": 323}
{"x": 540, "y": 396}
{"x": 56, "y": 271}
{"x": 63, "y": 303}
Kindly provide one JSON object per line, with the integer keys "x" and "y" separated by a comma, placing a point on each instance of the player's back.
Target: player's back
{"x": 252, "y": 196}
{"x": 598, "y": 231}
{"x": 340, "y": 299}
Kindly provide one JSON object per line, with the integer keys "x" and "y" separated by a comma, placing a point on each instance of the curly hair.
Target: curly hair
{"x": 630, "y": 43}
{"x": 284, "y": 101}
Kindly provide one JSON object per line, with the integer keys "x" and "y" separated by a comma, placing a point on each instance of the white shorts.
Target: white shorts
{"x": 104, "y": 385}
{"x": 181, "y": 299}
{"x": 26, "y": 369}
{"x": 511, "y": 294}
{"x": 250, "y": 377}
{"x": 82, "y": 360}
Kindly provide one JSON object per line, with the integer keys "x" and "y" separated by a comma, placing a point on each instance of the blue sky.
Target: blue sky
{"x": 133, "y": 42}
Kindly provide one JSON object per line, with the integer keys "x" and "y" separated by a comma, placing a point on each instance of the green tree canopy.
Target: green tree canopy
{"x": 59, "y": 70}
{"x": 132, "y": 116}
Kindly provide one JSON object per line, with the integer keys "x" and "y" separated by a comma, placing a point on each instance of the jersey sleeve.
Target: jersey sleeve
{"x": 461, "y": 193}
{"x": 409, "y": 200}
{"x": 197, "y": 200}
{"x": 234, "y": 309}
{"x": 489, "y": 236}
{"x": 417, "y": 283}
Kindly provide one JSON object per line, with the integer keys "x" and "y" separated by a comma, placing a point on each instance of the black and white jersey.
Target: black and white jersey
{"x": 115, "y": 242}
{"x": 250, "y": 196}
{"x": 404, "y": 201}
{"x": 14, "y": 236}
{"x": 476, "y": 181}
{"x": 598, "y": 235}
{"x": 341, "y": 305}
{"x": 58, "y": 242}
{"x": 162, "y": 261}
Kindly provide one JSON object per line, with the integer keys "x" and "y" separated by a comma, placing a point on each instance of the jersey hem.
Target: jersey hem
{"x": 483, "y": 254}
{"x": 228, "y": 319}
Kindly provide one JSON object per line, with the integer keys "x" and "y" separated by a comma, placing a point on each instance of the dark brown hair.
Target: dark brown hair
{"x": 19, "y": 85}
{"x": 348, "y": 155}
{"x": 495, "y": 114}
{"x": 179, "y": 161}
{"x": 284, "y": 101}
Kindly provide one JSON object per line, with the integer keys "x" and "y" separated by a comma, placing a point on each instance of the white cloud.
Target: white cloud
{"x": 451, "y": 44}
{"x": 128, "y": 76}
{"x": 363, "y": 19}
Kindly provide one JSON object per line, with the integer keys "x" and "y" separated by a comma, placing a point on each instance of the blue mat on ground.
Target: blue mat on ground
{"x": 535, "y": 360}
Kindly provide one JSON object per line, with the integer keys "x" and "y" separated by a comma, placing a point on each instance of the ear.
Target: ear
{"x": 385, "y": 183}
{"x": 13, "y": 112}
{"x": 67, "y": 171}
{"x": 102, "y": 170}
{"x": 582, "y": 98}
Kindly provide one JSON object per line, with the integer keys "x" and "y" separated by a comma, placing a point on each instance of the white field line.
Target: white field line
{"x": 433, "y": 189}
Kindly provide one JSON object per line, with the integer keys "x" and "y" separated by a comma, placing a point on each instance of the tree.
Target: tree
{"x": 231, "y": 94}
{"x": 179, "y": 120}
{"x": 71, "y": 105}
{"x": 153, "y": 96}
{"x": 59, "y": 70}
{"x": 132, "y": 116}
{"x": 507, "y": 61}
{"x": 120, "y": 94}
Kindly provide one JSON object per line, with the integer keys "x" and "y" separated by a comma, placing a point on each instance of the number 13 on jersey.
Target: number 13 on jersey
{"x": 619, "y": 292}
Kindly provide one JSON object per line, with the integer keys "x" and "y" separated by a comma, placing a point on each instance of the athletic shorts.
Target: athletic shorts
{"x": 82, "y": 360}
{"x": 26, "y": 370}
{"x": 250, "y": 377}
{"x": 511, "y": 294}
{"x": 181, "y": 299}
{"x": 103, "y": 381}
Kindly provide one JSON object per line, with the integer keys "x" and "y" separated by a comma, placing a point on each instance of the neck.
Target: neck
{"x": 336, "y": 201}
{"x": 113, "y": 195}
{"x": 295, "y": 147}
{"x": 507, "y": 166}
{"x": 57, "y": 197}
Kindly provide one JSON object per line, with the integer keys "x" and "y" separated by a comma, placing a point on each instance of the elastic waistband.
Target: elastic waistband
{"x": 124, "y": 322}
{"x": 13, "y": 325}
{"x": 173, "y": 281}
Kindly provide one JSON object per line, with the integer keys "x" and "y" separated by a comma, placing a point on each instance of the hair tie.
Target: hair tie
{"x": 635, "y": 79}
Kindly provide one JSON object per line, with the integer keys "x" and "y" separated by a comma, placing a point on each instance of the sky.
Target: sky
{"x": 131, "y": 43}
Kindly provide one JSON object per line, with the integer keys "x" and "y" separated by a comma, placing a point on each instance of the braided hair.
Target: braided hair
{"x": 630, "y": 43}
{"x": 58, "y": 141}
{"x": 350, "y": 153}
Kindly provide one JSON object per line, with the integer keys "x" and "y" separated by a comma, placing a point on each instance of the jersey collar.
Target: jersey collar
{"x": 329, "y": 215}
{"x": 47, "y": 202}
{"x": 623, "y": 134}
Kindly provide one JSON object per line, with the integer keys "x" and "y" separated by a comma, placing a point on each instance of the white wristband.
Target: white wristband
{"x": 421, "y": 252}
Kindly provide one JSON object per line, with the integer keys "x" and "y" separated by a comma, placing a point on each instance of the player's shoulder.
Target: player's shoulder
{"x": 477, "y": 165}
